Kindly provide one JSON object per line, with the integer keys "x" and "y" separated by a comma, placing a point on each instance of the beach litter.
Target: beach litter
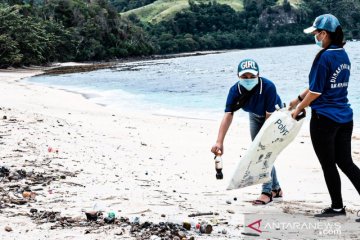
{"x": 18, "y": 186}
{"x": 53, "y": 150}
{"x": 92, "y": 215}
{"x": 187, "y": 225}
{"x": 110, "y": 218}
{"x": 4, "y": 171}
{"x": 138, "y": 230}
{"x": 8, "y": 229}
{"x": 29, "y": 194}
{"x": 202, "y": 214}
{"x": 206, "y": 228}
{"x": 230, "y": 211}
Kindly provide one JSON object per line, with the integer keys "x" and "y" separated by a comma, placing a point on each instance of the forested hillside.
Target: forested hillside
{"x": 215, "y": 26}
{"x": 42, "y": 31}
{"x": 37, "y": 32}
{"x": 261, "y": 23}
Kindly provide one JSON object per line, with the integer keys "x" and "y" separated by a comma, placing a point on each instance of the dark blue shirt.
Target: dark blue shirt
{"x": 329, "y": 76}
{"x": 262, "y": 101}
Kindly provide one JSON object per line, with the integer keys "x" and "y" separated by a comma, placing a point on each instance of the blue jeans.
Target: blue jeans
{"x": 256, "y": 123}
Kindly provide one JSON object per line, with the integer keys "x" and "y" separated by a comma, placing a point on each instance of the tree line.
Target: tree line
{"x": 43, "y": 31}
{"x": 126, "y": 5}
{"x": 38, "y": 32}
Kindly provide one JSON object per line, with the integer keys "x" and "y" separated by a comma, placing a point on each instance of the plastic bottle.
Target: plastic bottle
{"x": 218, "y": 167}
{"x": 111, "y": 214}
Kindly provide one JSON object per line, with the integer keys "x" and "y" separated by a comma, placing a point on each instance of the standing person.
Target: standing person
{"x": 331, "y": 122}
{"x": 256, "y": 95}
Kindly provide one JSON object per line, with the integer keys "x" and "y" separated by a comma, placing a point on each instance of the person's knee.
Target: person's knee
{"x": 346, "y": 167}
{"x": 328, "y": 167}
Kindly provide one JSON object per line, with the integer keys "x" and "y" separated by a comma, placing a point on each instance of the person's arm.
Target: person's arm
{"x": 296, "y": 101}
{"x": 309, "y": 98}
{"x": 267, "y": 115}
{"x": 271, "y": 100}
{"x": 218, "y": 148}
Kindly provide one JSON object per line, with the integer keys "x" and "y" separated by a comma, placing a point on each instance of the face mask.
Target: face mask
{"x": 249, "y": 83}
{"x": 319, "y": 43}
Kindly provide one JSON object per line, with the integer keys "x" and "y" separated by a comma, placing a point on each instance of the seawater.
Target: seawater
{"x": 197, "y": 86}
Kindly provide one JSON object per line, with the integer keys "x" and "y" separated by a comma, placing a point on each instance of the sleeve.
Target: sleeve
{"x": 317, "y": 77}
{"x": 231, "y": 99}
{"x": 271, "y": 99}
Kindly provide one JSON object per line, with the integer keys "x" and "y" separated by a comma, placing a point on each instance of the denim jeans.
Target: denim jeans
{"x": 256, "y": 123}
{"x": 332, "y": 145}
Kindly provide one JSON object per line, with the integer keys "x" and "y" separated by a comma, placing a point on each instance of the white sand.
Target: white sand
{"x": 140, "y": 165}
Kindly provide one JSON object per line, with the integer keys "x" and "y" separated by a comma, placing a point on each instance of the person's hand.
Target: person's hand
{"x": 295, "y": 113}
{"x": 218, "y": 149}
{"x": 293, "y": 104}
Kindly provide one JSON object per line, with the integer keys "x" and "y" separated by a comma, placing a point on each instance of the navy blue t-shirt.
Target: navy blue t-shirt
{"x": 262, "y": 101}
{"x": 329, "y": 76}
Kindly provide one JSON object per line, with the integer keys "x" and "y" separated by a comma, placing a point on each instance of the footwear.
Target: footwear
{"x": 329, "y": 212}
{"x": 261, "y": 202}
{"x": 277, "y": 194}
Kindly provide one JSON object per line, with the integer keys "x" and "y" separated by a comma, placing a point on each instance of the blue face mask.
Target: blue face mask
{"x": 319, "y": 43}
{"x": 249, "y": 83}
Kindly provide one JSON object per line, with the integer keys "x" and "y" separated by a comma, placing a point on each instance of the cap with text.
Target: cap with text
{"x": 248, "y": 66}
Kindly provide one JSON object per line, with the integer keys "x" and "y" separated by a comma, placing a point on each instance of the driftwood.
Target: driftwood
{"x": 201, "y": 214}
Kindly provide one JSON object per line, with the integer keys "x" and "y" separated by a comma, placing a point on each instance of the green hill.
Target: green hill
{"x": 165, "y": 9}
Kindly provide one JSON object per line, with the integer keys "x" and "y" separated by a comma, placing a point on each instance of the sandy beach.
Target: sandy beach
{"x": 79, "y": 156}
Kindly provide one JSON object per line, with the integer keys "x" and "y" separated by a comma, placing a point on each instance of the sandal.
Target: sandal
{"x": 261, "y": 202}
{"x": 277, "y": 193}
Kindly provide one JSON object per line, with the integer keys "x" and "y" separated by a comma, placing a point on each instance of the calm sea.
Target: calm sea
{"x": 197, "y": 86}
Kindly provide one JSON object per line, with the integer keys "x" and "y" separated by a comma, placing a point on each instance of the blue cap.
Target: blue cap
{"x": 248, "y": 66}
{"x": 326, "y": 22}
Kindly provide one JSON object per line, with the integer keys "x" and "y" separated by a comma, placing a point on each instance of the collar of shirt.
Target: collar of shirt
{"x": 335, "y": 47}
